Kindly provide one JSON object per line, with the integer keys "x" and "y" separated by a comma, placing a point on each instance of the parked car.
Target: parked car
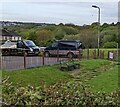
{"x": 69, "y": 48}
{"x": 17, "y": 48}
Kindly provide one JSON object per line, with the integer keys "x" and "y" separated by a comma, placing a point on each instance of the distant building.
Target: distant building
{"x": 8, "y": 35}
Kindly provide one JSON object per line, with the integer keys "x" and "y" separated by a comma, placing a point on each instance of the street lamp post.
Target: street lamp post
{"x": 98, "y": 26}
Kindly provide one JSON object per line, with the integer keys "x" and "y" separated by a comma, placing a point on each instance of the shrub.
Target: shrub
{"x": 43, "y": 37}
{"x": 70, "y": 31}
{"x": 110, "y": 45}
{"x": 67, "y": 93}
{"x": 59, "y": 34}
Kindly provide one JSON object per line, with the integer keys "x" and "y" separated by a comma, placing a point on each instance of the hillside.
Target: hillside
{"x": 44, "y": 34}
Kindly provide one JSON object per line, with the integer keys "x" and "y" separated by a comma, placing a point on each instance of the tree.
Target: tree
{"x": 32, "y": 36}
{"x": 105, "y": 25}
{"x": 43, "y": 37}
{"x": 70, "y": 30}
{"x": 61, "y": 24}
{"x": 59, "y": 34}
{"x": 95, "y": 24}
{"x": 110, "y": 45}
{"x": 89, "y": 38}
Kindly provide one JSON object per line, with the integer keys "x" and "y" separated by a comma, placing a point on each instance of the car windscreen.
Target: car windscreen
{"x": 79, "y": 45}
{"x": 29, "y": 43}
{"x": 55, "y": 44}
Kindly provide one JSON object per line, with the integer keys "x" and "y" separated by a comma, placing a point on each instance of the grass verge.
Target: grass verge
{"x": 101, "y": 75}
{"x": 106, "y": 82}
{"x": 37, "y": 76}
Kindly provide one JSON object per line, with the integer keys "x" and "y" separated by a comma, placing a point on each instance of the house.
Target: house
{"x": 8, "y": 35}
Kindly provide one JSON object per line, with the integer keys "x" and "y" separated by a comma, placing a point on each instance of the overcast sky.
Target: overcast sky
{"x": 44, "y": 11}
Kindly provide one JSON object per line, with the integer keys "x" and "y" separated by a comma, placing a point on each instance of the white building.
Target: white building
{"x": 8, "y": 35}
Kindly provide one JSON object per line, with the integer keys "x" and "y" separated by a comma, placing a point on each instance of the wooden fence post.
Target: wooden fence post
{"x": 24, "y": 59}
{"x": 43, "y": 58}
{"x": 100, "y": 54}
{"x": 118, "y": 53}
{"x": 94, "y": 54}
{"x": 103, "y": 54}
{"x": 88, "y": 53}
{"x": 108, "y": 55}
{"x": 114, "y": 55}
{"x": 79, "y": 54}
{"x": 57, "y": 55}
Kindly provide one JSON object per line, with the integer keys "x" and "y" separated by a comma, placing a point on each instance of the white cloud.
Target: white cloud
{"x": 70, "y": 12}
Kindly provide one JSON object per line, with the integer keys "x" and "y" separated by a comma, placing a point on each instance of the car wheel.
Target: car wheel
{"x": 70, "y": 55}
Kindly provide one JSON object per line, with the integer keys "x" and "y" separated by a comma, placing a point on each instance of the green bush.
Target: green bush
{"x": 70, "y": 30}
{"x": 59, "y": 34}
{"x": 43, "y": 37}
{"x": 67, "y": 93}
{"x": 110, "y": 45}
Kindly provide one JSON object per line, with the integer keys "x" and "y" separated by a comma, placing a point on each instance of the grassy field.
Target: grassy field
{"x": 37, "y": 76}
{"x": 106, "y": 82}
{"x": 101, "y": 75}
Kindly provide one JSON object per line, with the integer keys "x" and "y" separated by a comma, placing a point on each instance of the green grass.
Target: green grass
{"x": 106, "y": 82}
{"x": 93, "y": 64}
{"x": 91, "y": 68}
{"x": 99, "y": 74}
{"x": 37, "y": 76}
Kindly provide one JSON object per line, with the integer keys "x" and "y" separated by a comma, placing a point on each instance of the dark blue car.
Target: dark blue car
{"x": 69, "y": 48}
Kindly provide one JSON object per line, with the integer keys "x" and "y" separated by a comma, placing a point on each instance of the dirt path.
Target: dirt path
{"x": 83, "y": 75}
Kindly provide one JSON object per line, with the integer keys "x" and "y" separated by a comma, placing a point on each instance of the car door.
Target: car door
{"x": 20, "y": 46}
{"x": 54, "y": 48}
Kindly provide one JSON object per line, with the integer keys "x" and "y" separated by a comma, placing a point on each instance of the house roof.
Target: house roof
{"x": 6, "y": 32}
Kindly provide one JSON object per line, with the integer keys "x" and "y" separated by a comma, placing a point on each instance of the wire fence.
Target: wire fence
{"x": 108, "y": 54}
{"x": 24, "y": 62}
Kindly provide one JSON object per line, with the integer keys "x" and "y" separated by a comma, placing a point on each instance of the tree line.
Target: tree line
{"x": 87, "y": 34}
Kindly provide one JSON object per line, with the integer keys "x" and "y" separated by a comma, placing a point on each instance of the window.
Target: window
{"x": 5, "y": 37}
{"x": 67, "y": 46}
{"x": 20, "y": 44}
{"x": 29, "y": 43}
{"x": 10, "y": 38}
{"x": 55, "y": 44}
